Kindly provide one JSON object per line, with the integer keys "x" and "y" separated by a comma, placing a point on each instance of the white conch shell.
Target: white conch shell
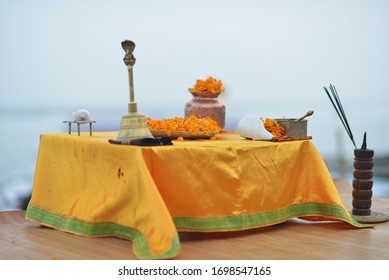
{"x": 81, "y": 115}
{"x": 252, "y": 127}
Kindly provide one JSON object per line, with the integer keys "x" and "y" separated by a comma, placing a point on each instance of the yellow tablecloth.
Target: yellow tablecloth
{"x": 87, "y": 186}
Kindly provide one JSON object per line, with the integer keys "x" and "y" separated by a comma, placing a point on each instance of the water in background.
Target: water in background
{"x": 272, "y": 56}
{"x": 21, "y": 128}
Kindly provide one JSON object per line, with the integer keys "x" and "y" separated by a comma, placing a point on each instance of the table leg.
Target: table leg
{"x": 78, "y": 129}
{"x": 90, "y": 129}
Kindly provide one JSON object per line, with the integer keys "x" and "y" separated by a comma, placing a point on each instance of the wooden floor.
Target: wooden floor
{"x": 295, "y": 239}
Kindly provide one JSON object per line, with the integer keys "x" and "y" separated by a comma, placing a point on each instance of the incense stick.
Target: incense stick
{"x": 336, "y": 109}
{"x": 340, "y": 111}
{"x": 336, "y": 96}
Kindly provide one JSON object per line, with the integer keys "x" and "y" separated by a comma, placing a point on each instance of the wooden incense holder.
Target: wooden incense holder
{"x": 363, "y": 187}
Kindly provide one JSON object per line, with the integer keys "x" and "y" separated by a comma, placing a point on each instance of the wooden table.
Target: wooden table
{"x": 87, "y": 186}
{"x": 294, "y": 239}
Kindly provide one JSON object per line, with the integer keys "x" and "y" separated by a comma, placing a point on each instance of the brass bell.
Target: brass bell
{"x": 133, "y": 124}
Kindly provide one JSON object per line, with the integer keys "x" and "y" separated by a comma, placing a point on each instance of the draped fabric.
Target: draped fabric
{"x": 87, "y": 186}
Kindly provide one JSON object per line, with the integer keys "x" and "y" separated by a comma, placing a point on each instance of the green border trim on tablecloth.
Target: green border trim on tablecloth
{"x": 261, "y": 219}
{"x": 73, "y": 225}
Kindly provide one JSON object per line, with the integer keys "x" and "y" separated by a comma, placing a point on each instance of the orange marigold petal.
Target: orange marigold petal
{"x": 273, "y": 127}
{"x": 209, "y": 85}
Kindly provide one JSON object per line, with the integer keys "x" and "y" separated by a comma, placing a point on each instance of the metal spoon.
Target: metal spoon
{"x": 307, "y": 114}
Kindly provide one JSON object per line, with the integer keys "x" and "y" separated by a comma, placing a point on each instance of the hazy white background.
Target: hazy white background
{"x": 274, "y": 58}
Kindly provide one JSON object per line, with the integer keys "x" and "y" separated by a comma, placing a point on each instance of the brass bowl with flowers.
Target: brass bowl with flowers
{"x": 190, "y": 127}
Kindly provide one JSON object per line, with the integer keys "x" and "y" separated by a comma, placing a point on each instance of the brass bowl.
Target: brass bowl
{"x": 293, "y": 128}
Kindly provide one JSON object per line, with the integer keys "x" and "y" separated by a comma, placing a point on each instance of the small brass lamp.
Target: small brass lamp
{"x": 133, "y": 124}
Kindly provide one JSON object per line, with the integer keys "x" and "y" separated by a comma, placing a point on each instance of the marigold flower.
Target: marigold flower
{"x": 209, "y": 85}
{"x": 273, "y": 127}
{"x": 187, "y": 124}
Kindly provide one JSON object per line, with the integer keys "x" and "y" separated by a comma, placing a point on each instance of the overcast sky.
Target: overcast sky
{"x": 274, "y": 57}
